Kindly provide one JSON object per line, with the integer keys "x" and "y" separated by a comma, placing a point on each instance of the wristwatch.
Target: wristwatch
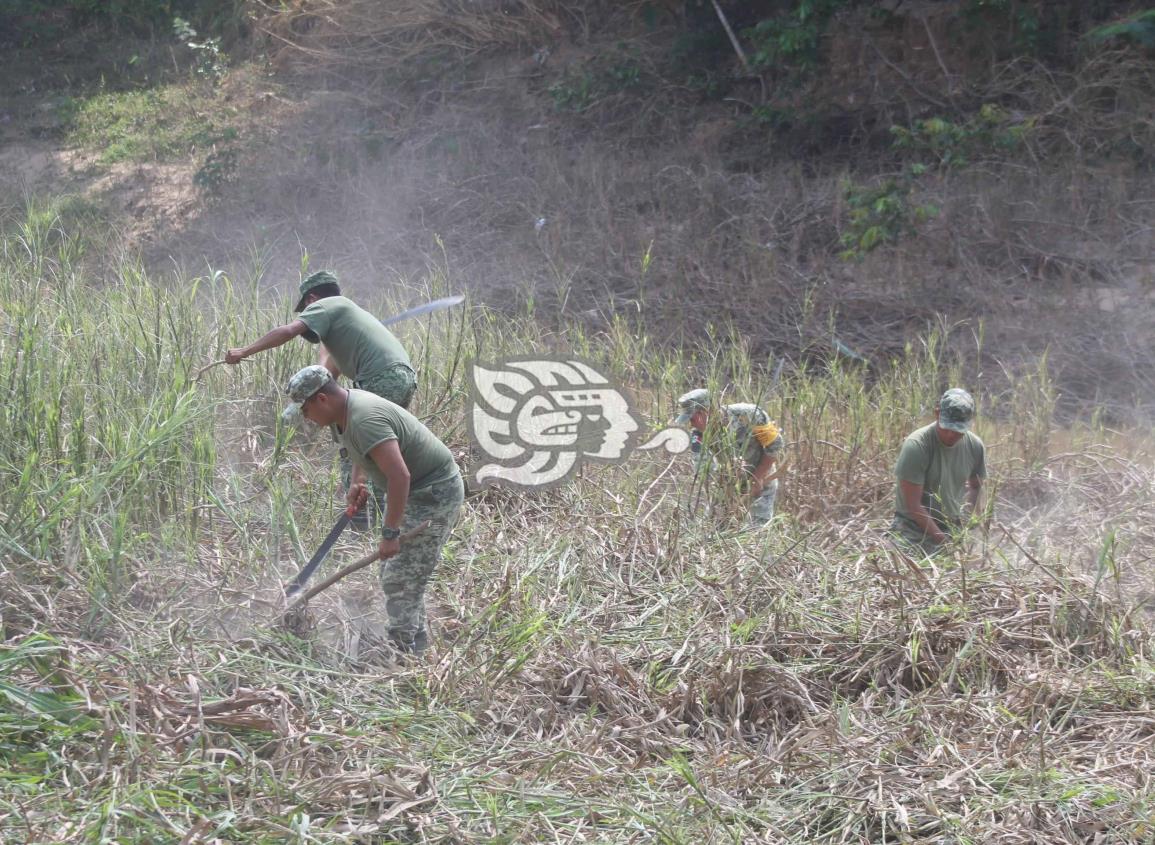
{"x": 388, "y": 533}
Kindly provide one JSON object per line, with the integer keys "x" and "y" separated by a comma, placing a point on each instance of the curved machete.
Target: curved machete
{"x": 435, "y": 305}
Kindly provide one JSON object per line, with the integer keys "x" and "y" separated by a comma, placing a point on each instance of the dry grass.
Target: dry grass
{"x": 322, "y": 34}
{"x": 611, "y": 663}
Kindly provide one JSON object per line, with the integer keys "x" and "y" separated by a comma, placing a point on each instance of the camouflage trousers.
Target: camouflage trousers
{"x": 404, "y": 576}
{"x": 762, "y": 508}
{"x": 397, "y": 383}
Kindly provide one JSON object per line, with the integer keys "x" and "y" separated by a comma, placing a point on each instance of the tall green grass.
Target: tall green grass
{"x": 615, "y": 661}
{"x": 106, "y": 428}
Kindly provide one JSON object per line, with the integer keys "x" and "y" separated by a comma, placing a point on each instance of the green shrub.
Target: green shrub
{"x": 578, "y": 91}
{"x": 949, "y": 143}
{"x": 880, "y": 214}
{"x": 792, "y": 39}
{"x": 210, "y": 59}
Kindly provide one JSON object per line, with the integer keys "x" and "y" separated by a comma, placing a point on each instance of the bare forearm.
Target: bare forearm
{"x": 397, "y": 497}
{"x": 925, "y": 521}
{"x": 779, "y": 466}
{"x": 325, "y": 359}
{"x": 974, "y": 493}
{"x": 760, "y": 476}
{"x": 277, "y": 337}
{"x": 912, "y": 497}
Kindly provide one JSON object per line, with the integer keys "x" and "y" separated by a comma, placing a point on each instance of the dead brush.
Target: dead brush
{"x": 609, "y": 664}
{"x": 328, "y": 35}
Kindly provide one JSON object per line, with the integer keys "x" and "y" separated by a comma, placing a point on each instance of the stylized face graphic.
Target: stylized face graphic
{"x": 606, "y": 422}
{"x": 539, "y": 418}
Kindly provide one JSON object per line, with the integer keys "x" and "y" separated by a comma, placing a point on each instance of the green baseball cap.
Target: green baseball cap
{"x": 315, "y": 280}
{"x": 688, "y": 403}
{"x": 302, "y": 386}
{"x": 956, "y": 409}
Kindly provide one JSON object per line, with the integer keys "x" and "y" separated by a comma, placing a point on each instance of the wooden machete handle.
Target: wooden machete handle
{"x": 351, "y": 568}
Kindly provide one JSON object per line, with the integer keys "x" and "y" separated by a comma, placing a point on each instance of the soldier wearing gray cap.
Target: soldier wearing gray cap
{"x": 745, "y": 432}
{"x": 939, "y": 475}
{"x": 352, "y": 341}
{"x": 400, "y": 455}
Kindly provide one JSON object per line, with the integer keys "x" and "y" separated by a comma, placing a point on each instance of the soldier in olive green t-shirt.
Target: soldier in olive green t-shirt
{"x": 354, "y": 342}
{"x": 939, "y": 475}
{"x": 400, "y": 455}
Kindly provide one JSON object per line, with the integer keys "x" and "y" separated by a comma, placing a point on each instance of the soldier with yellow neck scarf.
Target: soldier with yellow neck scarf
{"x": 745, "y": 433}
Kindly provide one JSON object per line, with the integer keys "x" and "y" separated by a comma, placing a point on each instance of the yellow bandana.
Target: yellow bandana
{"x": 766, "y": 434}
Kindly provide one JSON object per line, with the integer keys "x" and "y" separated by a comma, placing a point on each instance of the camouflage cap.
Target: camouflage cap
{"x": 745, "y": 414}
{"x": 956, "y": 409}
{"x": 315, "y": 280}
{"x": 696, "y": 400}
{"x": 303, "y": 385}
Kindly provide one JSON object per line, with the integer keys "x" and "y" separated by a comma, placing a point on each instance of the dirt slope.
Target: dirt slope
{"x": 567, "y": 166}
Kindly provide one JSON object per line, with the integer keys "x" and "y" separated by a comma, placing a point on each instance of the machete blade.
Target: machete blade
{"x": 315, "y": 561}
{"x": 435, "y": 305}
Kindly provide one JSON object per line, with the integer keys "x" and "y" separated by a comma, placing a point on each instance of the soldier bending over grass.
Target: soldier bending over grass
{"x": 939, "y": 476}
{"x": 353, "y": 342}
{"x": 398, "y": 454}
{"x": 743, "y": 432}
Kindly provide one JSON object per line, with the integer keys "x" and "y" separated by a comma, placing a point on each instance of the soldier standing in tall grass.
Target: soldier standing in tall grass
{"x": 746, "y": 433}
{"x": 939, "y": 476}
{"x": 353, "y": 342}
{"x": 398, "y": 454}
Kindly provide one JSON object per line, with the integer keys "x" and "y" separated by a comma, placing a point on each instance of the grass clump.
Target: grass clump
{"x": 152, "y": 124}
{"x": 615, "y": 661}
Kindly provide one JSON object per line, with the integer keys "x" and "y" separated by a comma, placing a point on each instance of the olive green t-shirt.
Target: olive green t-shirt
{"x": 943, "y": 472}
{"x": 360, "y": 344}
{"x": 373, "y": 420}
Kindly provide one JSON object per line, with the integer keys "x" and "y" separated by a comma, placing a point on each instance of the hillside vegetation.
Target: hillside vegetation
{"x": 956, "y": 191}
{"x": 871, "y": 167}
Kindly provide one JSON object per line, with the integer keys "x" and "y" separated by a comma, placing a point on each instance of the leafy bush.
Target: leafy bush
{"x": 575, "y": 92}
{"x": 952, "y": 144}
{"x": 792, "y": 38}
{"x": 579, "y": 91}
{"x": 880, "y": 214}
{"x": 210, "y": 59}
{"x": 1137, "y": 29}
{"x": 220, "y": 167}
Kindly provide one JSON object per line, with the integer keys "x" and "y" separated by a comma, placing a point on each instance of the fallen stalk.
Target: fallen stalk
{"x": 209, "y": 366}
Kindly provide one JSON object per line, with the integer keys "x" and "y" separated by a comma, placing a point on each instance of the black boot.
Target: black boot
{"x": 409, "y": 643}
{"x": 403, "y": 641}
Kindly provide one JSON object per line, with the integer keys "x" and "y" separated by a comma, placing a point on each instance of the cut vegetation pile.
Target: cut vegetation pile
{"x": 614, "y": 661}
